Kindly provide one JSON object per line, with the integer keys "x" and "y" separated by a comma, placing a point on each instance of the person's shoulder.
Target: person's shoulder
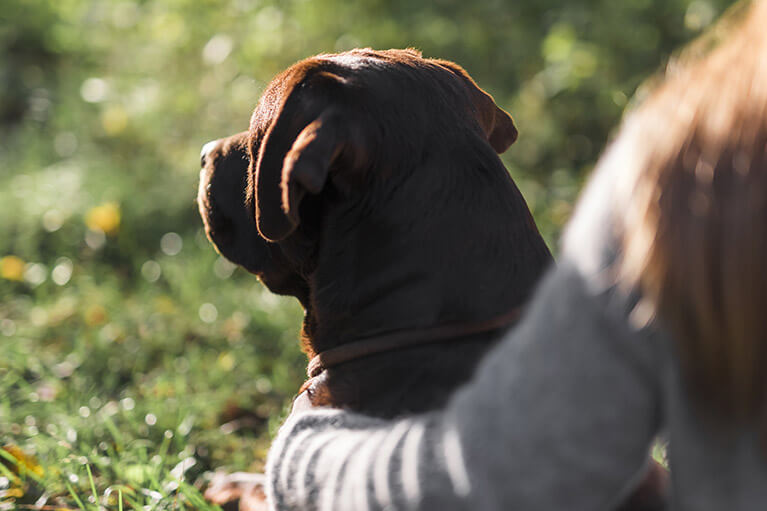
{"x": 592, "y": 237}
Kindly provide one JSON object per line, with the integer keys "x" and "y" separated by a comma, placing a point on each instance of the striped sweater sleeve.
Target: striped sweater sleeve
{"x": 330, "y": 459}
{"x": 559, "y": 416}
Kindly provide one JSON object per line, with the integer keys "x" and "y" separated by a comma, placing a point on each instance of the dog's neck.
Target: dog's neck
{"x": 426, "y": 259}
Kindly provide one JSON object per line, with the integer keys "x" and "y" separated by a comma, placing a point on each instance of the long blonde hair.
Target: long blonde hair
{"x": 695, "y": 237}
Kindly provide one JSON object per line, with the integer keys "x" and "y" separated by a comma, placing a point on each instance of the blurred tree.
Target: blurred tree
{"x": 141, "y": 84}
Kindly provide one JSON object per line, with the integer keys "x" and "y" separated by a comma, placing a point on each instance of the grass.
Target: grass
{"x": 134, "y": 394}
{"x": 124, "y": 382}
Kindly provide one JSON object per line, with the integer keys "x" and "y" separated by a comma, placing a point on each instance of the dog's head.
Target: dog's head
{"x": 330, "y": 129}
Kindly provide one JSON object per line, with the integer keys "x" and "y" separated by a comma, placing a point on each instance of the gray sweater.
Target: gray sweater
{"x": 560, "y": 415}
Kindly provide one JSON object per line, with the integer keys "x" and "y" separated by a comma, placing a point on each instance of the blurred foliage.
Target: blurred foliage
{"x": 129, "y": 347}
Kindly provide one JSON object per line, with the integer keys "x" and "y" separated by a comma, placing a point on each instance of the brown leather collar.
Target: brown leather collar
{"x": 403, "y": 339}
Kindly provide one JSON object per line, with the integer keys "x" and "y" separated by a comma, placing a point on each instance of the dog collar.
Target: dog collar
{"x": 403, "y": 339}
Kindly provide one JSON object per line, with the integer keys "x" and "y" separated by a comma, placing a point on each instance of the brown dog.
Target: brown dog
{"x": 376, "y": 197}
{"x": 369, "y": 187}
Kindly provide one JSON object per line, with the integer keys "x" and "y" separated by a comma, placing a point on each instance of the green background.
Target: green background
{"x": 128, "y": 345}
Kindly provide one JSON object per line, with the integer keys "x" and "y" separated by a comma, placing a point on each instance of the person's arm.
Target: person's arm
{"x": 559, "y": 416}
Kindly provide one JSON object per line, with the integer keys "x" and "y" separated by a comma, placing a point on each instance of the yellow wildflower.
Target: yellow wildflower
{"x": 25, "y": 463}
{"x": 104, "y": 218}
{"x": 12, "y": 268}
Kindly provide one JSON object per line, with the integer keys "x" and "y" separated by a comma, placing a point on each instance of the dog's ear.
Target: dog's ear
{"x": 303, "y": 143}
{"x": 497, "y": 125}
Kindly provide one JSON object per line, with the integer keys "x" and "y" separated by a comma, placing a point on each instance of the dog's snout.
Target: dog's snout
{"x": 206, "y": 150}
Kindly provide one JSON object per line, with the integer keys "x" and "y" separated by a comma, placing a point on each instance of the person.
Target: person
{"x": 653, "y": 322}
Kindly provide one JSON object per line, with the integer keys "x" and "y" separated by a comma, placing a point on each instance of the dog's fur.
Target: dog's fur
{"x": 369, "y": 187}
{"x": 377, "y": 198}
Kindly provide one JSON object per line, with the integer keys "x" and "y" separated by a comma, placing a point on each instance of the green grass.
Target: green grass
{"x": 134, "y": 362}
{"x": 114, "y": 385}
